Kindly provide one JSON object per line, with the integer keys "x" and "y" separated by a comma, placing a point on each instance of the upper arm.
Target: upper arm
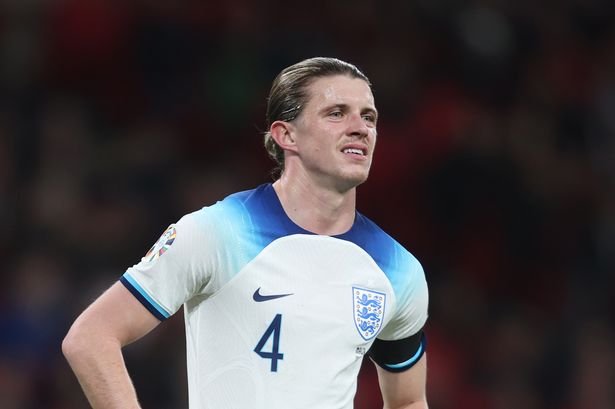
{"x": 178, "y": 266}
{"x": 399, "y": 351}
{"x": 150, "y": 291}
{"x": 401, "y": 389}
{"x": 117, "y": 315}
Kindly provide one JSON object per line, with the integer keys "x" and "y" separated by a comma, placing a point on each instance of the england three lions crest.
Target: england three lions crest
{"x": 368, "y": 307}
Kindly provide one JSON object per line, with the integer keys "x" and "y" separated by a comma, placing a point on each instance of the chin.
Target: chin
{"x": 361, "y": 180}
{"x": 351, "y": 181}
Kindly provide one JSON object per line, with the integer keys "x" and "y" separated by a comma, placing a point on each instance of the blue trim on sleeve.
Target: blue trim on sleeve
{"x": 147, "y": 301}
{"x": 410, "y": 362}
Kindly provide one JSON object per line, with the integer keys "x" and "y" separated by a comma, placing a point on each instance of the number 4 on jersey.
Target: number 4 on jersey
{"x": 274, "y": 355}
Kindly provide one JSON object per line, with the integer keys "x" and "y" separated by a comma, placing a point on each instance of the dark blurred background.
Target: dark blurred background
{"x": 495, "y": 167}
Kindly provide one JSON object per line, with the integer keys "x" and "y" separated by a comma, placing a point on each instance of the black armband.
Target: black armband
{"x": 399, "y": 355}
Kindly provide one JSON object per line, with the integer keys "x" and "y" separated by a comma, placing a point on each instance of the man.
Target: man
{"x": 284, "y": 287}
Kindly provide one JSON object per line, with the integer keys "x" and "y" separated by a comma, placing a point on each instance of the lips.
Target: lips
{"x": 355, "y": 149}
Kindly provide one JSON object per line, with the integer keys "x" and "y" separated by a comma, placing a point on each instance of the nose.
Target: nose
{"x": 357, "y": 126}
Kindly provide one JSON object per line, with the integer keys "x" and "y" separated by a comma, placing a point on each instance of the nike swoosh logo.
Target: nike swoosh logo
{"x": 258, "y": 297}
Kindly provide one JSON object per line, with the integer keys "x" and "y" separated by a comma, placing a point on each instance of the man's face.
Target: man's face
{"x": 335, "y": 133}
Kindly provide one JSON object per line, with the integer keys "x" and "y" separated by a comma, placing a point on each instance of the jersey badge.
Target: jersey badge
{"x": 162, "y": 245}
{"x": 368, "y": 309}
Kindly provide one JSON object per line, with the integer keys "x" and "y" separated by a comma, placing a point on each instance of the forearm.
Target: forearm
{"x": 101, "y": 371}
{"x": 93, "y": 347}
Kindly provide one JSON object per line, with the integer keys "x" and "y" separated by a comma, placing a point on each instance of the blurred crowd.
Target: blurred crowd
{"x": 495, "y": 166}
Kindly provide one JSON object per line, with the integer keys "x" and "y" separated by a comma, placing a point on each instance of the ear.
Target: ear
{"x": 282, "y": 133}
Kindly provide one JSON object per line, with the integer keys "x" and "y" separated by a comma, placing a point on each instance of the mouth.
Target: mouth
{"x": 355, "y": 151}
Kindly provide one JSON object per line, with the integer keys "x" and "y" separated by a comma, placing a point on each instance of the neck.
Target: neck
{"x": 314, "y": 207}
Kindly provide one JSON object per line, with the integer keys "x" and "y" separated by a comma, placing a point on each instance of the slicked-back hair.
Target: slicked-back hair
{"x": 289, "y": 95}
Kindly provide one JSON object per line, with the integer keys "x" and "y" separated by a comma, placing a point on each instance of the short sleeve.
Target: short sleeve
{"x": 401, "y": 343}
{"x": 176, "y": 268}
{"x": 412, "y": 299}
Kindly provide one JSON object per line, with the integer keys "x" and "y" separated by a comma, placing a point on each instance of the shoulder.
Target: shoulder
{"x": 407, "y": 278}
{"x": 390, "y": 255}
{"x": 234, "y": 207}
{"x": 400, "y": 266}
{"x": 250, "y": 218}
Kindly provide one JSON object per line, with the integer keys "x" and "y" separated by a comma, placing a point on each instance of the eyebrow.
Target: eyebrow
{"x": 346, "y": 106}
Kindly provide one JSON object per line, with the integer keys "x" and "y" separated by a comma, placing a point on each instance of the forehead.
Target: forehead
{"x": 340, "y": 89}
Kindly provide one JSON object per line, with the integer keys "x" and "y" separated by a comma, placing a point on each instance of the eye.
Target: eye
{"x": 336, "y": 114}
{"x": 371, "y": 118}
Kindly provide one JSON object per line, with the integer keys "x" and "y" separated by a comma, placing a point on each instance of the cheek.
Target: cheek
{"x": 373, "y": 137}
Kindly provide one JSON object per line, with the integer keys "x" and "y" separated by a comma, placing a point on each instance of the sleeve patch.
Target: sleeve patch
{"x": 162, "y": 245}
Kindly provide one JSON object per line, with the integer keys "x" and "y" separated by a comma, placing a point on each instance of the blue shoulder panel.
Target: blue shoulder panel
{"x": 248, "y": 222}
{"x": 393, "y": 259}
{"x": 255, "y": 218}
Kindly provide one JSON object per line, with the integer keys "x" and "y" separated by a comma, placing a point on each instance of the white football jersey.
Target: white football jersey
{"x": 277, "y": 317}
